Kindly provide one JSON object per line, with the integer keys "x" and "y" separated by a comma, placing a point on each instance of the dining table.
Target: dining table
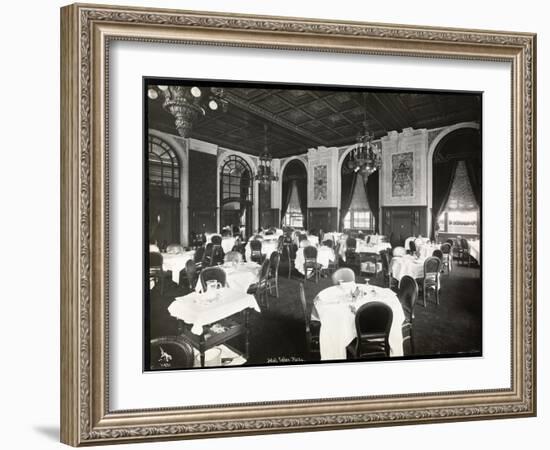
{"x": 175, "y": 262}
{"x": 335, "y": 308}
{"x": 238, "y": 276}
{"x": 325, "y": 255}
{"x": 410, "y": 265}
{"x": 269, "y": 245}
{"x": 363, "y": 247}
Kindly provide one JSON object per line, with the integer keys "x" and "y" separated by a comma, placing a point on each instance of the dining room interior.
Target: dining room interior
{"x": 296, "y": 224}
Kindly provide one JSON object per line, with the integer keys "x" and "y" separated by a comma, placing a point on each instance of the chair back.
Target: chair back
{"x": 191, "y": 271}
{"x": 412, "y": 246}
{"x": 274, "y": 261}
{"x": 233, "y": 257}
{"x": 170, "y": 352}
{"x": 310, "y": 253}
{"x": 344, "y": 274}
{"x": 264, "y": 270}
{"x": 432, "y": 265}
{"x": 217, "y": 255}
{"x": 438, "y": 254}
{"x": 446, "y": 248}
{"x": 305, "y": 309}
{"x": 212, "y": 273}
{"x": 408, "y": 294}
{"x": 464, "y": 244}
{"x": 328, "y": 243}
{"x": 175, "y": 249}
{"x": 386, "y": 261}
{"x": 450, "y": 241}
{"x": 373, "y": 322}
{"x": 256, "y": 246}
{"x": 351, "y": 243}
{"x": 155, "y": 260}
{"x": 199, "y": 253}
{"x": 216, "y": 239}
{"x": 302, "y": 237}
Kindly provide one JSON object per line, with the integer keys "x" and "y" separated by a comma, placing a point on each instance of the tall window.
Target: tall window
{"x": 236, "y": 179}
{"x": 359, "y": 215}
{"x": 461, "y": 213}
{"x": 294, "y": 217}
{"x": 164, "y": 192}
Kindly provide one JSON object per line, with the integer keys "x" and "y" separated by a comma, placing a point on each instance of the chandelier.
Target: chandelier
{"x": 188, "y": 103}
{"x": 365, "y": 158}
{"x": 265, "y": 173}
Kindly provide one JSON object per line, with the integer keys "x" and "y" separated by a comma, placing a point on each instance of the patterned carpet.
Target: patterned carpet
{"x": 277, "y": 335}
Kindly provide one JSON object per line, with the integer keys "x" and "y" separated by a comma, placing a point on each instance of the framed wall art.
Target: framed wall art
{"x": 303, "y": 202}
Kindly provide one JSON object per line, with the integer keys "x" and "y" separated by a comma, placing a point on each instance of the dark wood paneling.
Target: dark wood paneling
{"x": 202, "y": 192}
{"x": 401, "y": 222}
{"x": 323, "y": 219}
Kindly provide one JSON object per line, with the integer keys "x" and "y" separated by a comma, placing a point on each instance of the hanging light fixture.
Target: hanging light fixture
{"x": 265, "y": 173}
{"x": 365, "y": 158}
{"x": 188, "y": 103}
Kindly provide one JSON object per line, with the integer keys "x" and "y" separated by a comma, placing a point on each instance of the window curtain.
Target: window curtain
{"x": 301, "y": 185}
{"x": 473, "y": 167}
{"x": 442, "y": 181}
{"x": 348, "y": 187}
{"x": 286, "y": 192}
{"x": 372, "y": 189}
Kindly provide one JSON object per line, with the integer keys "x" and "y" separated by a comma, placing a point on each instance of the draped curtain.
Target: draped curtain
{"x": 372, "y": 188}
{"x": 443, "y": 177}
{"x": 301, "y": 185}
{"x": 473, "y": 167}
{"x": 348, "y": 186}
{"x": 286, "y": 192}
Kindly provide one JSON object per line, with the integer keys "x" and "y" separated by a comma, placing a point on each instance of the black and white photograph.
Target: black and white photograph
{"x": 296, "y": 224}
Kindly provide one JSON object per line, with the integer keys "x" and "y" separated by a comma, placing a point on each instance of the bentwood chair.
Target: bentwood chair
{"x": 190, "y": 274}
{"x": 212, "y": 273}
{"x": 169, "y": 353}
{"x": 273, "y": 276}
{"x": 156, "y": 273}
{"x": 216, "y": 239}
{"x": 446, "y": 250}
{"x": 353, "y": 258}
{"x": 256, "y": 251}
{"x": 344, "y": 275}
{"x": 408, "y": 294}
{"x": 259, "y": 289}
{"x": 385, "y": 256}
{"x": 373, "y": 322}
{"x": 310, "y": 263}
{"x": 197, "y": 257}
{"x": 432, "y": 269}
{"x": 312, "y": 328}
{"x": 438, "y": 254}
{"x": 288, "y": 247}
{"x": 412, "y": 247}
{"x": 464, "y": 252}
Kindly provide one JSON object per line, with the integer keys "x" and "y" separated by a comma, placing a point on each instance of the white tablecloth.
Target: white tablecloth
{"x": 268, "y": 247}
{"x": 228, "y": 243}
{"x": 417, "y": 241}
{"x": 176, "y": 262}
{"x": 324, "y": 256}
{"x": 363, "y": 247}
{"x": 426, "y": 250}
{"x": 198, "y": 310}
{"x": 239, "y": 277}
{"x": 474, "y": 250}
{"x": 332, "y": 307}
{"x": 407, "y": 265}
{"x": 333, "y": 235}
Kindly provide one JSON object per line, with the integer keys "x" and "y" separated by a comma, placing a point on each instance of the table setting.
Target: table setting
{"x": 335, "y": 308}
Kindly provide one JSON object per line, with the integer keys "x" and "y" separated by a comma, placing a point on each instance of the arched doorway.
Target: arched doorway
{"x": 236, "y": 195}
{"x": 294, "y": 195}
{"x": 456, "y": 185}
{"x": 163, "y": 199}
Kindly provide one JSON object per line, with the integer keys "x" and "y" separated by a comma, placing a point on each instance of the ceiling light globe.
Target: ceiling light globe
{"x": 196, "y": 92}
{"x": 152, "y": 93}
{"x": 213, "y": 105}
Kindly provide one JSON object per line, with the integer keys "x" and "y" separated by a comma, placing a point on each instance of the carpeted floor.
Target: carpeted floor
{"x": 277, "y": 335}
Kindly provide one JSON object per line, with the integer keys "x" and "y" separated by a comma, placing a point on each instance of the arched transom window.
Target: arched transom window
{"x": 164, "y": 169}
{"x": 236, "y": 180}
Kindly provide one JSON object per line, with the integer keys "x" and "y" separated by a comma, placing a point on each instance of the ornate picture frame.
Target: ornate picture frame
{"x": 86, "y": 33}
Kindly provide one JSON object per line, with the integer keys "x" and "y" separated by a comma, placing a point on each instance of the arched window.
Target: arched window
{"x": 163, "y": 193}
{"x": 236, "y": 195}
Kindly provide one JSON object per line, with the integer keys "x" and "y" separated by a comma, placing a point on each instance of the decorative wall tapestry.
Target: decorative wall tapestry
{"x": 320, "y": 182}
{"x": 402, "y": 175}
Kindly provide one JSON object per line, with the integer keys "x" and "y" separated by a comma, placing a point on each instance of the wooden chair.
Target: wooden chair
{"x": 212, "y": 273}
{"x": 310, "y": 263}
{"x": 190, "y": 274}
{"x": 156, "y": 272}
{"x": 373, "y": 322}
{"x": 385, "y": 256}
{"x": 464, "y": 252}
{"x": 408, "y": 294}
{"x": 352, "y": 257}
{"x": 412, "y": 247}
{"x": 344, "y": 274}
{"x": 438, "y": 254}
{"x": 217, "y": 255}
{"x": 207, "y": 255}
{"x": 256, "y": 251}
{"x": 333, "y": 266}
{"x": 446, "y": 250}
{"x": 273, "y": 276}
{"x": 312, "y": 328}
{"x": 432, "y": 269}
{"x": 197, "y": 257}
{"x": 259, "y": 289}
{"x": 169, "y": 353}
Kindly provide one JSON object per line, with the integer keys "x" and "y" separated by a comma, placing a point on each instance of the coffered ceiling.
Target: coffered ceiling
{"x": 299, "y": 119}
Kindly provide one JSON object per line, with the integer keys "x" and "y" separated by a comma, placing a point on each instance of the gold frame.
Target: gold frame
{"x": 86, "y": 31}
